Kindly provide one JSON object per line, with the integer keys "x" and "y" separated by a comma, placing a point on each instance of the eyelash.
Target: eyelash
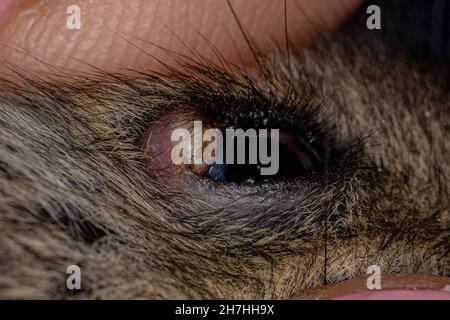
{"x": 241, "y": 101}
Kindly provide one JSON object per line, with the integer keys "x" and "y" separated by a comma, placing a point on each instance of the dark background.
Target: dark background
{"x": 421, "y": 25}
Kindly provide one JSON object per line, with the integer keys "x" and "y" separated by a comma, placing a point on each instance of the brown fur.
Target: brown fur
{"x": 75, "y": 187}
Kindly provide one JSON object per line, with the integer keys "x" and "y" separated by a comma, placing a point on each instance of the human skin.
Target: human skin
{"x": 408, "y": 283}
{"x": 119, "y": 34}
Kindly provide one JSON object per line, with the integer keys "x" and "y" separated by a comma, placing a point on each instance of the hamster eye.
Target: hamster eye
{"x": 294, "y": 158}
{"x": 176, "y": 145}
